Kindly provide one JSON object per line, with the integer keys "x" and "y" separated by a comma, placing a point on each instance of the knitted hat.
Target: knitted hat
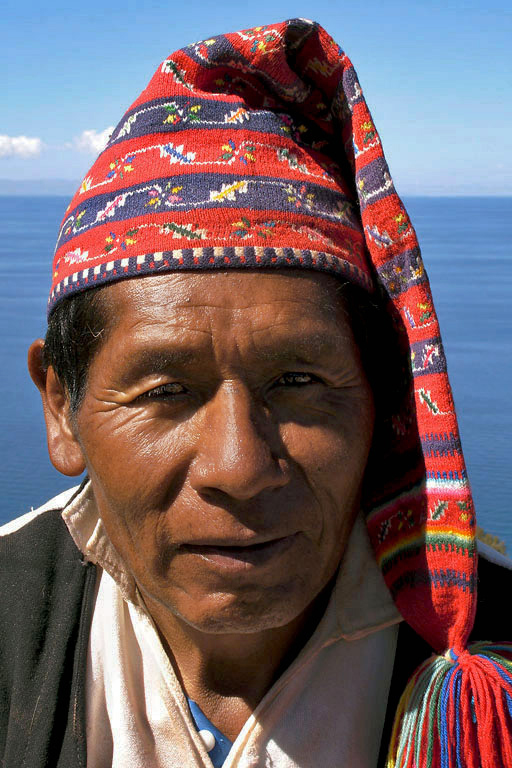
{"x": 257, "y": 149}
{"x": 227, "y": 159}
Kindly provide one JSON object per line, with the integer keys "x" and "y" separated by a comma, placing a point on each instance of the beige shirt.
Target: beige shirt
{"x": 326, "y": 710}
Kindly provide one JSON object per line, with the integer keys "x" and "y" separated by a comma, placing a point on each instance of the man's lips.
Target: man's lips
{"x": 240, "y": 556}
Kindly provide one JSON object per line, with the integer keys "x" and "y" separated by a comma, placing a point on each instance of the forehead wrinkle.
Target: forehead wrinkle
{"x": 143, "y": 323}
{"x": 233, "y": 303}
{"x": 304, "y": 338}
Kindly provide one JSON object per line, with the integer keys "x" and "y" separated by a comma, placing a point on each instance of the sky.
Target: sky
{"x": 436, "y": 75}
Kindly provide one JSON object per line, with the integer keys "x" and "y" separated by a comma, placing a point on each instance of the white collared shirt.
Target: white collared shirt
{"x": 327, "y": 709}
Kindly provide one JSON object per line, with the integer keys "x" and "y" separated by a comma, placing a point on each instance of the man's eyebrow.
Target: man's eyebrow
{"x": 307, "y": 346}
{"x": 145, "y": 361}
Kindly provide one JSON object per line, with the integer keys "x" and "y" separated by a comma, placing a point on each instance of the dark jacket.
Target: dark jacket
{"x": 46, "y": 608}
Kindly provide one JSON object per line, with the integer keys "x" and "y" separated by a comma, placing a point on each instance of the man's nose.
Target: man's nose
{"x": 239, "y": 449}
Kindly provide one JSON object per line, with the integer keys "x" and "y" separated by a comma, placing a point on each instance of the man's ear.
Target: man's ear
{"x": 63, "y": 446}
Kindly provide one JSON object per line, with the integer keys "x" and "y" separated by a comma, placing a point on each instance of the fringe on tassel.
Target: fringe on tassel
{"x": 456, "y": 711}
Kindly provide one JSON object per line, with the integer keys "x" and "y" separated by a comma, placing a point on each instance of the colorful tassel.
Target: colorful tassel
{"x": 456, "y": 711}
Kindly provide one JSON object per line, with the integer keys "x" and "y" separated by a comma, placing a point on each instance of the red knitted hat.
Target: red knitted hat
{"x": 257, "y": 149}
{"x": 227, "y": 159}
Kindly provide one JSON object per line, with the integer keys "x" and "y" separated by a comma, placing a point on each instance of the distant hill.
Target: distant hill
{"x": 38, "y": 187}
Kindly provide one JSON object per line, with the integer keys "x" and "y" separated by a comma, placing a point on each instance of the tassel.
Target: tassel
{"x": 456, "y": 711}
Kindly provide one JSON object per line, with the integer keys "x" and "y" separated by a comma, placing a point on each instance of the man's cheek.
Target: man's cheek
{"x": 135, "y": 471}
{"x": 322, "y": 453}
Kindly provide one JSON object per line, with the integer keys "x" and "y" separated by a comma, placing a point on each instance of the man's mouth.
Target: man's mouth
{"x": 241, "y": 556}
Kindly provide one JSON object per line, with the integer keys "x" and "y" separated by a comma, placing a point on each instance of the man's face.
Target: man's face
{"x": 226, "y": 427}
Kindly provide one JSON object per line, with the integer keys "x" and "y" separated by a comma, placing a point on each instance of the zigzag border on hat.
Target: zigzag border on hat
{"x": 228, "y": 257}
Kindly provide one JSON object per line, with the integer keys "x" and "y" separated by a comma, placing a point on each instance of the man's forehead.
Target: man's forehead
{"x": 275, "y": 303}
{"x": 227, "y": 289}
{"x": 185, "y": 316}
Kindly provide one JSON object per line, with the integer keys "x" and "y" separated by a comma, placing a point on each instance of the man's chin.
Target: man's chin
{"x": 233, "y": 614}
{"x": 240, "y": 623}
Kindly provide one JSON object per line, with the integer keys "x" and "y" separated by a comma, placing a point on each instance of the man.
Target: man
{"x": 243, "y": 354}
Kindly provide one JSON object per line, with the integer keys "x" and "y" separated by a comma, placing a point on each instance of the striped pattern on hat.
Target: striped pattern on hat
{"x": 217, "y": 164}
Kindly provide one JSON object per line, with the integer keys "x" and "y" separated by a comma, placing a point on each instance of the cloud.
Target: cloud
{"x": 21, "y": 146}
{"x": 93, "y": 141}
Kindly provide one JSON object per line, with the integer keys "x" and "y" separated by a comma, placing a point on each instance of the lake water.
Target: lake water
{"x": 467, "y": 249}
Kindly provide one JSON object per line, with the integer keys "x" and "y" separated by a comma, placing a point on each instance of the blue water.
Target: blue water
{"x": 467, "y": 249}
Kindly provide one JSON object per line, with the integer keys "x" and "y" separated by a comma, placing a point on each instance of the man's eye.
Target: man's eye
{"x": 166, "y": 390}
{"x": 295, "y": 379}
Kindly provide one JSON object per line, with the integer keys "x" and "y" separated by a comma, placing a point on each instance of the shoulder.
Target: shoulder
{"x": 40, "y": 563}
{"x": 493, "y": 617}
{"x": 36, "y": 535}
{"x": 45, "y": 607}
{"x": 56, "y": 503}
{"x": 42, "y": 580}
{"x": 489, "y": 555}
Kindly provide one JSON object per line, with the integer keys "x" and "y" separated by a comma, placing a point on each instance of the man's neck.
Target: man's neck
{"x": 227, "y": 675}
